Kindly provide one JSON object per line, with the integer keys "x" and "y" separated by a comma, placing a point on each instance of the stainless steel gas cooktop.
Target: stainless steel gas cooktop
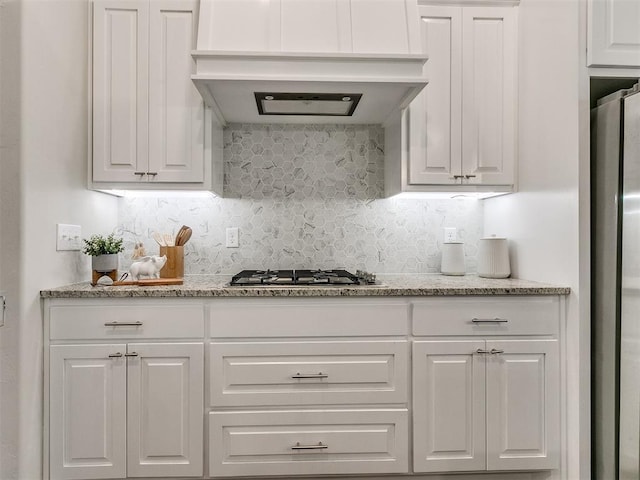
{"x": 302, "y": 277}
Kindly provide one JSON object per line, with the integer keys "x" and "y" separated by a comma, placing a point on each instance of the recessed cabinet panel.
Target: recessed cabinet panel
{"x": 165, "y": 387}
{"x": 308, "y": 442}
{"x": 304, "y": 373}
{"x": 120, "y": 45}
{"x": 434, "y": 119}
{"x": 614, "y": 33}
{"x": 176, "y": 109}
{"x": 523, "y": 404}
{"x": 88, "y": 411}
{"x": 488, "y": 91}
{"x": 449, "y": 395}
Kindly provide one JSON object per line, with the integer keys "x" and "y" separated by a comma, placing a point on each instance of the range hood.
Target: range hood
{"x": 308, "y": 61}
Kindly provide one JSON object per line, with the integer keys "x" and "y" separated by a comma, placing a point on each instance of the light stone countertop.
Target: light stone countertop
{"x": 390, "y": 285}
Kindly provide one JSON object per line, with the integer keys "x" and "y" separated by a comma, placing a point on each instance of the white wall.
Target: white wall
{"x": 53, "y": 158}
{"x": 543, "y": 220}
{"x": 9, "y": 233}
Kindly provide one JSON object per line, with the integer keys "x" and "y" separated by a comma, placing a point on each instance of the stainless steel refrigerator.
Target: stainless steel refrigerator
{"x": 615, "y": 216}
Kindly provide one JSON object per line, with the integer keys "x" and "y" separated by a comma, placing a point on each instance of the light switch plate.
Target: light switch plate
{"x": 68, "y": 237}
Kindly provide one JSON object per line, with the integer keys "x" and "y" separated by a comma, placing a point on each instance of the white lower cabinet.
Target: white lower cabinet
{"x": 121, "y": 410}
{"x": 486, "y": 403}
{"x": 128, "y": 393}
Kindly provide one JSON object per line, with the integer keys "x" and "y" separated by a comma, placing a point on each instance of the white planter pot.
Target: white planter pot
{"x": 105, "y": 263}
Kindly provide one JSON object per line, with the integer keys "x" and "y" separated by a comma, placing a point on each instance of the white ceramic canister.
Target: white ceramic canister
{"x": 452, "y": 259}
{"x": 493, "y": 258}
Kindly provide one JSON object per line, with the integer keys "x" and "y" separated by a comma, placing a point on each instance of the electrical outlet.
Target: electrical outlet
{"x": 450, "y": 234}
{"x": 232, "y": 237}
{"x": 68, "y": 237}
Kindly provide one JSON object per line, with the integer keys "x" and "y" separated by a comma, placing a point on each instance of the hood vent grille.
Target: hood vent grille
{"x": 325, "y": 104}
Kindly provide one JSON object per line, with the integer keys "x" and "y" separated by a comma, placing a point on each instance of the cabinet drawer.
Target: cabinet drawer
{"x": 308, "y": 318}
{"x": 77, "y": 322}
{"x": 487, "y": 316}
{"x": 296, "y": 373}
{"x": 308, "y": 442}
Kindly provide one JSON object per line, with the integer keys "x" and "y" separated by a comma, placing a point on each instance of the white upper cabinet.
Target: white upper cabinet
{"x": 614, "y": 33}
{"x": 149, "y": 122}
{"x": 461, "y": 129}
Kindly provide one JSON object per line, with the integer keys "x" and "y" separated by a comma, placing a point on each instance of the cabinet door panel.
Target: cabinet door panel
{"x": 88, "y": 412}
{"x": 488, "y": 95}
{"x": 120, "y": 83}
{"x": 449, "y": 406}
{"x": 614, "y": 35}
{"x": 523, "y": 405}
{"x": 165, "y": 410}
{"x": 434, "y": 116}
{"x": 176, "y": 109}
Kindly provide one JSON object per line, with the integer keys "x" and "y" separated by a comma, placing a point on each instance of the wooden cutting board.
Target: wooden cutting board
{"x": 151, "y": 282}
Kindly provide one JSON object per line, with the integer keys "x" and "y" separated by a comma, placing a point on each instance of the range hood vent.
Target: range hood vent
{"x": 308, "y": 61}
{"x": 325, "y": 104}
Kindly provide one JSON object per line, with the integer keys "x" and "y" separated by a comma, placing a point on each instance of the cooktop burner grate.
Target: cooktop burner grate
{"x": 301, "y": 277}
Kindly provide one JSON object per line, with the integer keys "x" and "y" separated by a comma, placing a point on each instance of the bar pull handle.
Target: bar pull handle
{"x": 469, "y": 176}
{"x": 310, "y": 375}
{"x": 456, "y": 177}
{"x": 142, "y": 174}
{"x": 489, "y": 320}
{"x": 319, "y": 446}
{"x": 3, "y": 309}
{"x": 132, "y": 354}
{"x": 495, "y": 351}
{"x": 482, "y": 350}
{"x": 152, "y": 174}
{"x": 123, "y": 324}
{"x": 115, "y": 355}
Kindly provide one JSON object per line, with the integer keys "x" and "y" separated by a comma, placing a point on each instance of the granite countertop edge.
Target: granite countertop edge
{"x": 415, "y": 285}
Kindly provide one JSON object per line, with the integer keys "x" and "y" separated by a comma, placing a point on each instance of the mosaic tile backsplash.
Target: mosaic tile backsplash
{"x": 305, "y": 196}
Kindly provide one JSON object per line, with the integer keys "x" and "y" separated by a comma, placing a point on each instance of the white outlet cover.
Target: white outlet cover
{"x": 233, "y": 240}
{"x": 450, "y": 234}
{"x": 68, "y": 237}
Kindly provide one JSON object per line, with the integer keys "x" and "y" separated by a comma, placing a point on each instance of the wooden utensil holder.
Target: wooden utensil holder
{"x": 174, "y": 268}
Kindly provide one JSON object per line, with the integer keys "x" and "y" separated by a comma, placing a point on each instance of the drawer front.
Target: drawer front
{"x": 307, "y": 317}
{"x": 308, "y": 442}
{"x": 296, "y": 373}
{"x": 123, "y": 321}
{"x": 487, "y": 316}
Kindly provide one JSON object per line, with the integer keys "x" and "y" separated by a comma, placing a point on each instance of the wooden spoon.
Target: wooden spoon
{"x": 180, "y": 234}
{"x": 186, "y": 235}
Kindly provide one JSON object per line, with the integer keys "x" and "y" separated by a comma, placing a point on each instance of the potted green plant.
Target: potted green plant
{"x": 104, "y": 252}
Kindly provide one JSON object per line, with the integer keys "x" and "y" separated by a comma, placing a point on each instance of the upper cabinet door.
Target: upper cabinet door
{"x": 614, "y": 33}
{"x": 120, "y": 95}
{"x": 435, "y": 115}
{"x": 523, "y": 405}
{"x": 176, "y": 109}
{"x": 489, "y": 49}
